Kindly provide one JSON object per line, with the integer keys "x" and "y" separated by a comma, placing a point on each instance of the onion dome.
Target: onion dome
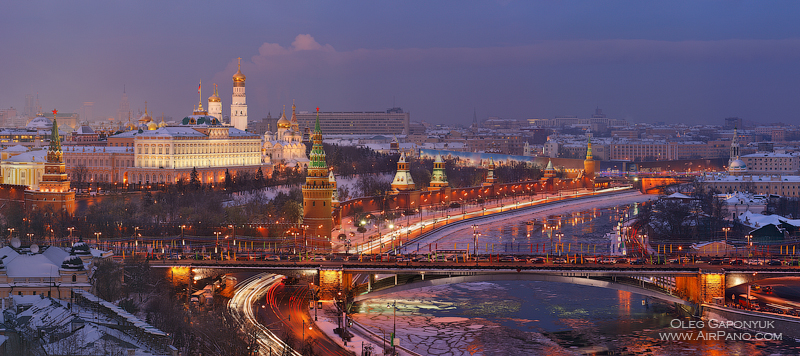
{"x": 72, "y": 263}
{"x": 214, "y": 98}
{"x": 283, "y": 123}
{"x": 80, "y": 248}
{"x": 239, "y": 77}
{"x": 152, "y": 126}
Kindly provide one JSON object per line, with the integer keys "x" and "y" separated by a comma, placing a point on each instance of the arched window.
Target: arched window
{"x": 74, "y": 278}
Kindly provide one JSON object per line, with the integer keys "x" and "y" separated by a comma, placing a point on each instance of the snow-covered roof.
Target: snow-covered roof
{"x": 678, "y": 196}
{"x": 751, "y": 178}
{"x": 758, "y": 220}
{"x": 38, "y": 156}
{"x": 16, "y": 148}
{"x": 739, "y": 198}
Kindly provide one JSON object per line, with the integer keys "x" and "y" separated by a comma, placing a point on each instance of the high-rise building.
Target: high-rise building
{"x": 29, "y": 109}
{"x": 123, "y": 114}
{"x": 318, "y": 191}
{"x": 391, "y": 122}
{"x": 87, "y": 111}
{"x": 238, "y": 101}
{"x": 733, "y": 123}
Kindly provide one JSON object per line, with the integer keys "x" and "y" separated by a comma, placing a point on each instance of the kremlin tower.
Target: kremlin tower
{"x": 438, "y": 177}
{"x": 490, "y": 178}
{"x": 402, "y": 179}
{"x": 54, "y": 189}
{"x": 588, "y": 165}
{"x": 238, "y": 101}
{"x": 318, "y": 191}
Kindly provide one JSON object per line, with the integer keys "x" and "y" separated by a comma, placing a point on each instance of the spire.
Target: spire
{"x": 316, "y": 124}
{"x": 589, "y": 149}
{"x": 55, "y": 139}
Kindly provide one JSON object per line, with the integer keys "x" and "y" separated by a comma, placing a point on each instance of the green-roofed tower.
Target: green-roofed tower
{"x": 318, "y": 194}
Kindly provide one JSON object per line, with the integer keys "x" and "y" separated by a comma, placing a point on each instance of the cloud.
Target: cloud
{"x": 305, "y": 53}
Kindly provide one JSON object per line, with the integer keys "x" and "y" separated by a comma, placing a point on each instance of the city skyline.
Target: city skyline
{"x": 676, "y": 62}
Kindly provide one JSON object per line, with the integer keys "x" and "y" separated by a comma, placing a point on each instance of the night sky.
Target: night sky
{"x": 674, "y": 61}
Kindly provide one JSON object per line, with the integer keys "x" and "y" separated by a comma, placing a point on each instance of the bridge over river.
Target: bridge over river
{"x": 687, "y": 284}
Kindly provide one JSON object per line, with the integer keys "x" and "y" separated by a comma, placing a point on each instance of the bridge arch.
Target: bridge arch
{"x": 527, "y": 277}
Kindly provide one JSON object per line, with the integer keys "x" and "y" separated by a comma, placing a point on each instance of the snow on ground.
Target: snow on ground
{"x": 269, "y": 193}
{"x": 327, "y": 321}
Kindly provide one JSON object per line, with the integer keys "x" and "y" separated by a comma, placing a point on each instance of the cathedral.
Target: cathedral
{"x": 285, "y": 146}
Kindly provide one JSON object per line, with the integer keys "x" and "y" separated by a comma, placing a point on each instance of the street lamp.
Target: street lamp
{"x": 97, "y": 237}
{"x": 70, "y": 233}
{"x": 391, "y": 233}
{"x": 726, "y": 229}
{"x": 394, "y": 326}
{"x": 475, "y": 242}
{"x": 217, "y": 246}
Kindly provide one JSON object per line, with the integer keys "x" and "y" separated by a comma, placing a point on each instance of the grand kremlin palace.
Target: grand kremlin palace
{"x": 168, "y": 154}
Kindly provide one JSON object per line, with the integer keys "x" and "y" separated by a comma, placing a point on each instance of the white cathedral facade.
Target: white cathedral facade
{"x": 285, "y": 146}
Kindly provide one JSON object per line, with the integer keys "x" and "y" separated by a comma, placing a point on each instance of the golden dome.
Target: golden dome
{"x": 239, "y": 77}
{"x": 152, "y": 126}
{"x": 283, "y": 123}
{"x": 214, "y": 98}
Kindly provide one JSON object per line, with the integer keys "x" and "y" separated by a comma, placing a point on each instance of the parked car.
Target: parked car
{"x": 774, "y": 263}
{"x": 536, "y": 260}
{"x": 638, "y": 261}
{"x": 560, "y": 261}
{"x": 272, "y": 258}
{"x": 607, "y": 261}
{"x": 508, "y": 259}
{"x": 716, "y": 262}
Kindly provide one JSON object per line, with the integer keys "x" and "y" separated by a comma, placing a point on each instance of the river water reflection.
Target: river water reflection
{"x": 535, "y": 318}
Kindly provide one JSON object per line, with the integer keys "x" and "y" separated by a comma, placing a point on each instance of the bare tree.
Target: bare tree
{"x": 80, "y": 175}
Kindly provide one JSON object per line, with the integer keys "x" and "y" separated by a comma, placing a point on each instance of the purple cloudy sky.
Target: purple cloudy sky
{"x": 675, "y": 61}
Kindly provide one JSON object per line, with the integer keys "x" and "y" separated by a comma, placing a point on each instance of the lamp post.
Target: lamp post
{"x": 391, "y": 233}
{"x": 363, "y": 222}
{"x": 475, "y": 242}
{"x": 726, "y": 229}
{"x": 749, "y": 245}
{"x": 217, "y": 246}
{"x": 97, "y": 237}
{"x": 559, "y": 235}
{"x": 70, "y": 233}
{"x": 394, "y": 323}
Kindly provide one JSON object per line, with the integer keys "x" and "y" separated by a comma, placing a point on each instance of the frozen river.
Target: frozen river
{"x": 542, "y": 318}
